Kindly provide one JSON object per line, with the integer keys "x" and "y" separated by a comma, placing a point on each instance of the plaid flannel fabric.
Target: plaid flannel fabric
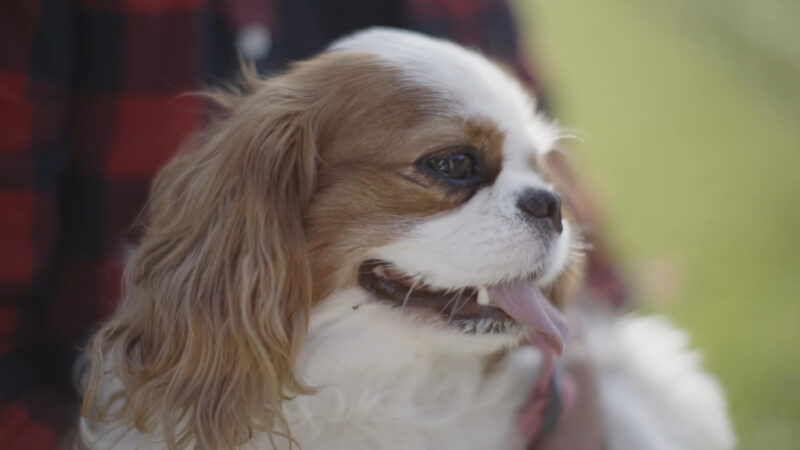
{"x": 88, "y": 113}
{"x": 89, "y": 110}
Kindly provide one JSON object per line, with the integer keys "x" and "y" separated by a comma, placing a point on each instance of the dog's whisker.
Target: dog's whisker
{"x": 457, "y": 306}
{"x": 410, "y": 290}
{"x": 455, "y": 297}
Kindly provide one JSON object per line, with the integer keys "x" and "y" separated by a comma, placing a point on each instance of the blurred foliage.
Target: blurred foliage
{"x": 690, "y": 115}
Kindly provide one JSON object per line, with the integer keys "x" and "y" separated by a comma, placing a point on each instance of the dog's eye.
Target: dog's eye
{"x": 461, "y": 166}
{"x": 458, "y": 167}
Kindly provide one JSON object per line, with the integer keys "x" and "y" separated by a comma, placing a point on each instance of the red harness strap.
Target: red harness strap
{"x": 553, "y": 393}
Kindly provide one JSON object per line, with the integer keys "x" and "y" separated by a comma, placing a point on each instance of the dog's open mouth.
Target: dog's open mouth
{"x": 496, "y": 308}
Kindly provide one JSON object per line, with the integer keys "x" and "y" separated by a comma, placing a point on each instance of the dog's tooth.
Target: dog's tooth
{"x": 483, "y": 296}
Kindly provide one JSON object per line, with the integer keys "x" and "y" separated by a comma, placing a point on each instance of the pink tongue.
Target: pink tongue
{"x": 526, "y": 304}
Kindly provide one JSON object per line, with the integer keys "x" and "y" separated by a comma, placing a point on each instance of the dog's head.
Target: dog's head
{"x": 404, "y": 170}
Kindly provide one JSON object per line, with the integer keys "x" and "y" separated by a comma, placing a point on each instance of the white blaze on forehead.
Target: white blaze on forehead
{"x": 476, "y": 86}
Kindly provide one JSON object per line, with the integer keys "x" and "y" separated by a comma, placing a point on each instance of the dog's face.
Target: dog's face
{"x": 395, "y": 178}
{"x": 430, "y": 194}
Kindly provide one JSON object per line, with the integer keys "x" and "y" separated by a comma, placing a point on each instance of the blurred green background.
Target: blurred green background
{"x": 690, "y": 115}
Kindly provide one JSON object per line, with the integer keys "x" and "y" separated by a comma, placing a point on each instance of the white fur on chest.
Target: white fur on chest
{"x": 381, "y": 387}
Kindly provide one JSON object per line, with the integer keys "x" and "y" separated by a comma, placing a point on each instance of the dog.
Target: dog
{"x": 367, "y": 252}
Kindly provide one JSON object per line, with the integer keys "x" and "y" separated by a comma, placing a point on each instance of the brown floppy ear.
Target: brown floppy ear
{"x": 217, "y": 296}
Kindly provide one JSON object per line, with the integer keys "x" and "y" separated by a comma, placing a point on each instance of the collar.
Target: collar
{"x": 550, "y": 397}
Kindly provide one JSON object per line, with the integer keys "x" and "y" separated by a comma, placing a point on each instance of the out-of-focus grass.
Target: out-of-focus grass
{"x": 692, "y": 140}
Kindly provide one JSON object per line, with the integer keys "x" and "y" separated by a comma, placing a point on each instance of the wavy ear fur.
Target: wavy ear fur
{"x": 217, "y": 296}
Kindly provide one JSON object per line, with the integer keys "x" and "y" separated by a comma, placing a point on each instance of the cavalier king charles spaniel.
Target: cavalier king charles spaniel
{"x": 367, "y": 252}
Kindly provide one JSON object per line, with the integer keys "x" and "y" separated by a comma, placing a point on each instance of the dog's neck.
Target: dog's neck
{"x": 382, "y": 381}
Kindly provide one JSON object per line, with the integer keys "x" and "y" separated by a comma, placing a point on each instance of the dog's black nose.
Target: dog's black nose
{"x": 542, "y": 204}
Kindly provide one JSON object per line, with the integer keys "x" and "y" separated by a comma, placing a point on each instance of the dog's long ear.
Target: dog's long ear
{"x": 217, "y": 296}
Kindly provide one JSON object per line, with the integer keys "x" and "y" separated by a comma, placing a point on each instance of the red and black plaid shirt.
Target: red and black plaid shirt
{"x": 89, "y": 111}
